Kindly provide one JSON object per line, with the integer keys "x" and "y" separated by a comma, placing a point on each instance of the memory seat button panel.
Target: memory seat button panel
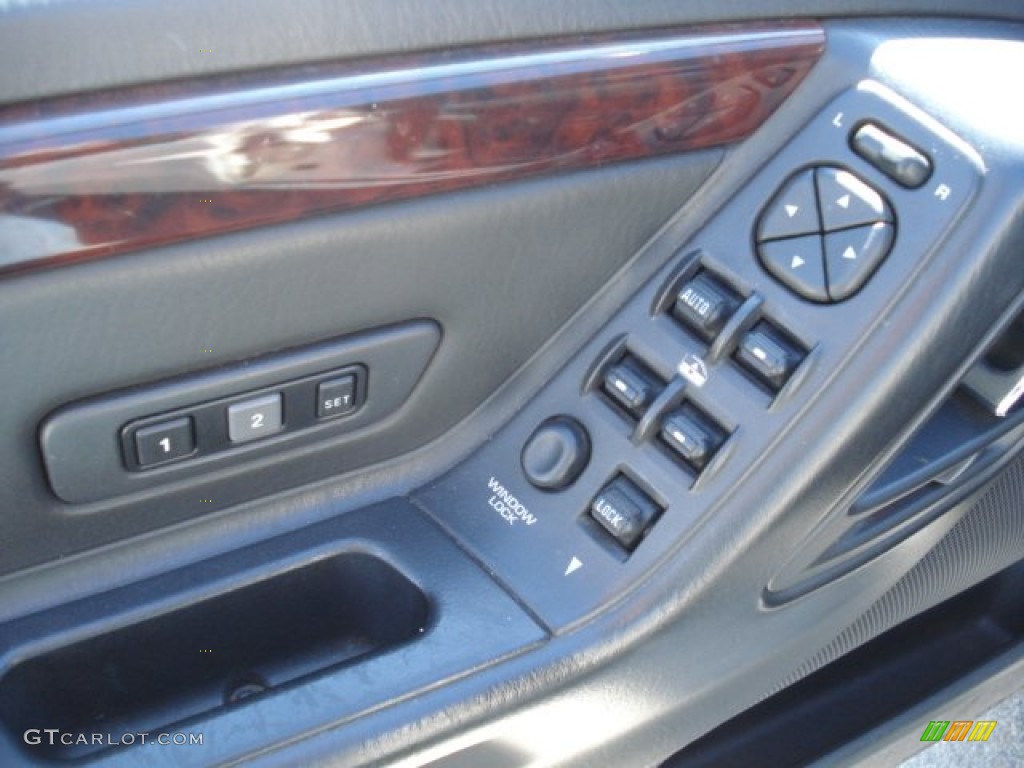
{"x": 295, "y": 400}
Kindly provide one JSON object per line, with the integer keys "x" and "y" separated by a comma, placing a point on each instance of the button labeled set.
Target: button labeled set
{"x": 220, "y": 425}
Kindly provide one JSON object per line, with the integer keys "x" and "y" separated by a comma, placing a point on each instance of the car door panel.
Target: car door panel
{"x": 607, "y": 313}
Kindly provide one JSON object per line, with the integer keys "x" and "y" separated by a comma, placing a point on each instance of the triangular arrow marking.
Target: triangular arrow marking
{"x": 849, "y": 253}
{"x": 792, "y": 210}
{"x": 844, "y": 201}
{"x": 574, "y": 565}
{"x": 796, "y": 262}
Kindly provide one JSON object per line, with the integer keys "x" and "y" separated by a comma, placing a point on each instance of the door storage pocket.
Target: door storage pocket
{"x": 166, "y": 669}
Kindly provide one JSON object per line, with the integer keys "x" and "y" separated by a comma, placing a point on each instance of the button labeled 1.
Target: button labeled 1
{"x": 253, "y": 419}
{"x": 164, "y": 442}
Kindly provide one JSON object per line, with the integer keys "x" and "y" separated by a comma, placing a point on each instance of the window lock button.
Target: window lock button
{"x": 625, "y": 511}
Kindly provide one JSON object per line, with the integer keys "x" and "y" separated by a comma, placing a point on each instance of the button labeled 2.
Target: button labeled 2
{"x": 253, "y": 419}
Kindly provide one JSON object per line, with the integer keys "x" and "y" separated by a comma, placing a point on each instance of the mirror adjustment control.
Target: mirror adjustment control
{"x": 852, "y": 255}
{"x": 848, "y": 201}
{"x": 792, "y": 212}
{"x": 692, "y": 436}
{"x": 812, "y": 265}
{"x": 625, "y": 511}
{"x": 556, "y": 453}
{"x": 799, "y": 263}
{"x": 629, "y": 384}
{"x": 892, "y": 156}
{"x": 765, "y": 352}
{"x": 705, "y": 305}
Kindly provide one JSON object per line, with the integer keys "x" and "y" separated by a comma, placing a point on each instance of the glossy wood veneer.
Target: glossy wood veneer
{"x": 95, "y": 175}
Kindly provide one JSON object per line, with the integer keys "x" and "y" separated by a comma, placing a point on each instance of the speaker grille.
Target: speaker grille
{"x": 987, "y": 539}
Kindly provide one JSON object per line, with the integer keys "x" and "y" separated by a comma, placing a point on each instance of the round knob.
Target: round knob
{"x": 556, "y": 453}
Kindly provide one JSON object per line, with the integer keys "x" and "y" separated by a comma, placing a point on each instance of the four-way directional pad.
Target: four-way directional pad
{"x": 824, "y": 233}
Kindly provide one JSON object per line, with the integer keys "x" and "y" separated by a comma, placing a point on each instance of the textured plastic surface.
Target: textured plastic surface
{"x": 80, "y": 442}
{"x": 988, "y": 536}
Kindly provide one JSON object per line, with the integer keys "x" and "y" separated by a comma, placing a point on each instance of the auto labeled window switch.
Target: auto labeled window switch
{"x": 630, "y": 384}
{"x": 625, "y": 511}
{"x": 769, "y": 355}
{"x": 705, "y": 305}
{"x": 336, "y": 397}
{"x": 164, "y": 442}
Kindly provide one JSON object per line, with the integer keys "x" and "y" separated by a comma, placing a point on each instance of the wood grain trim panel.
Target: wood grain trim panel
{"x": 90, "y": 176}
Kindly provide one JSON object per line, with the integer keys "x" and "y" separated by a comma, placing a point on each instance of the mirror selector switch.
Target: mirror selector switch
{"x": 631, "y": 385}
{"x": 692, "y": 436}
{"x": 556, "y": 453}
{"x": 625, "y": 511}
{"x": 891, "y": 155}
{"x": 705, "y": 305}
{"x": 769, "y": 355}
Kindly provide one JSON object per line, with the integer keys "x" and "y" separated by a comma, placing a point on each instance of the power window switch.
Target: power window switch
{"x": 336, "y": 397}
{"x": 705, "y": 305}
{"x": 625, "y": 511}
{"x": 693, "y": 436}
{"x": 168, "y": 441}
{"x": 769, "y": 355}
{"x": 631, "y": 385}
